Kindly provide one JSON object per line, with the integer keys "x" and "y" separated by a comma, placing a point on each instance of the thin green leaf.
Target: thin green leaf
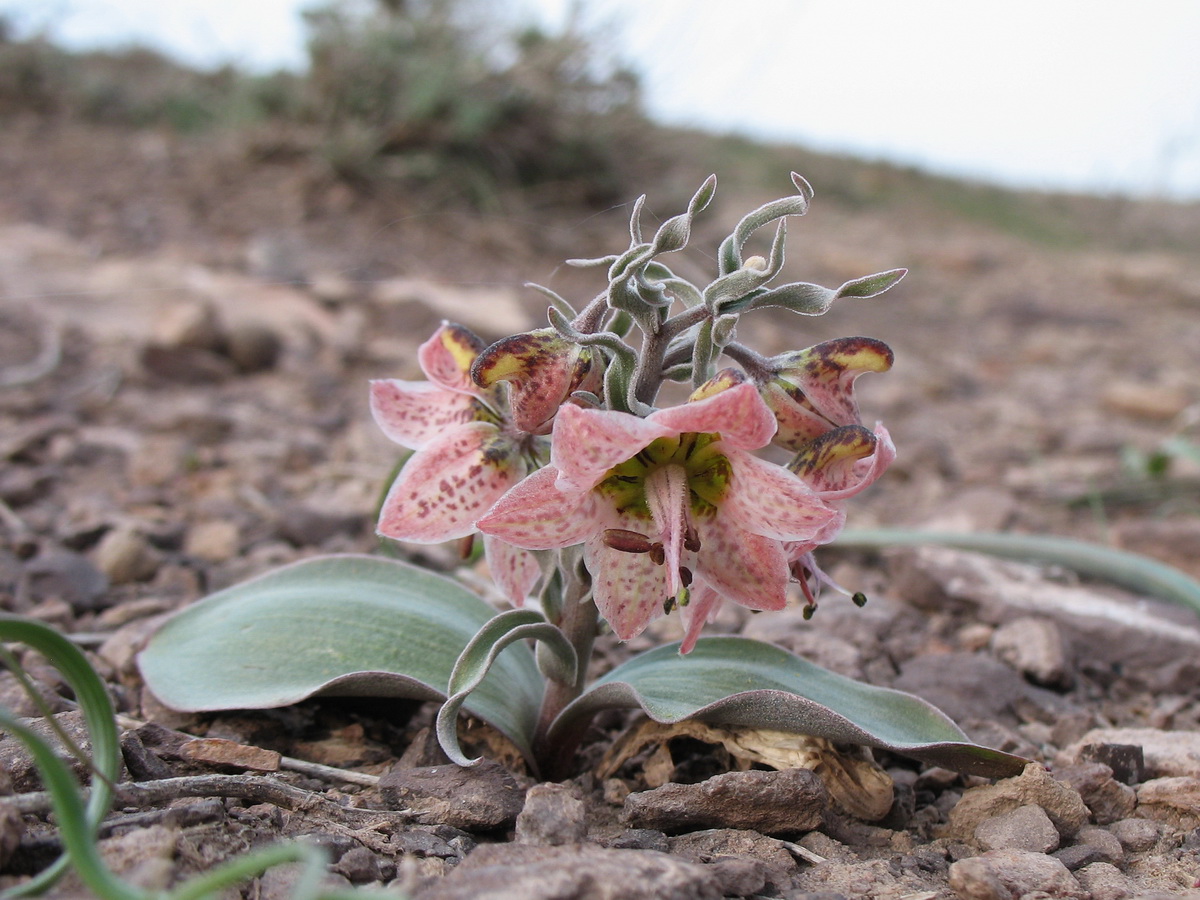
{"x": 337, "y": 625}
{"x": 738, "y": 681}
{"x": 1129, "y": 570}
{"x": 871, "y": 285}
{"x": 98, "y": 714}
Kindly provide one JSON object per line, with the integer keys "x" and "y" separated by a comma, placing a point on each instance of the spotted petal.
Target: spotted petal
{"x": 514, "y": 569}
{"x": 537, "y": 515}
{"x": 769, "y": 500}
{"x": 448, "y": 485}
{"x": 749, "y": 569}
{"x": 413, "y": 413}
{"x": 844, "y": 461}
{"x": 629, "y": 588}
{"x": 825, "y": 374}
{"x": 543, "y": 368}
{"x": 447, "y": 356}
{"x": 589, "y": 442}
{"x": 737, "y": 413}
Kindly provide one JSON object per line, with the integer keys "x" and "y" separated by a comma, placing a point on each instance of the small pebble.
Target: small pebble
{"x": 552, "y": 816}
{"x": 1136, "y": 835}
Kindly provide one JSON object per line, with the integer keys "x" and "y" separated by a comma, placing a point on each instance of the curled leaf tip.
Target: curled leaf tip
{"x": 802, "y": 186}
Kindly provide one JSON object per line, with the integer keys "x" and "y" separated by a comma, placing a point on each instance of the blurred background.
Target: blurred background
{"x": 1066, "y": 95}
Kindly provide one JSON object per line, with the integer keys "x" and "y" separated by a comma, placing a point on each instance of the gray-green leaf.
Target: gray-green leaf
{"x": 738, "y": 681}
{"x": 339, "y": 625}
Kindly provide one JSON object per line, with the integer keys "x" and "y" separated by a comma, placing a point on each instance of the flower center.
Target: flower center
{"x": 669, "y": 484}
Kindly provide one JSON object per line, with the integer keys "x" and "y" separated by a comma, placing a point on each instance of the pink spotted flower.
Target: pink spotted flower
{"x": 664, "y": 502}
{"x": 468, "y": 453}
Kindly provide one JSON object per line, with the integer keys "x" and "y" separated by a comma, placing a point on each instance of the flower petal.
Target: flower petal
{"x": 767, "y": 499}
{"x": 514, "y": 569}
{"x": 826, "y": 373}
{"x": 798, "y": 423}
{"x": 702, "y": 608}
{"x": 746, "y": 568}
{"x": 589, "y": 442}
{"x": 629, "y": 588}
{"x": 447, "y": 356}
{"x": 844, "y": 461}
{"x": 449, "y": 484}
{"x": 413, "y": 413}
{"x": 543, "y": 368}
{"x": 537, "y": 515}
{"x": 738, "y": 414}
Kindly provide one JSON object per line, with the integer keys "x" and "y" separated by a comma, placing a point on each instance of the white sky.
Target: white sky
{"x": 1073, "y": 94}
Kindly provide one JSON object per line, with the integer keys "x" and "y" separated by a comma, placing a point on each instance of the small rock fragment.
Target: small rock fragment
{"x": 1034, "y": 785}
{"x": 1035, "y": 648}
{"x": 359, "y": 866}
{"x": 1127, "y": 761}
{"x": 220, "y": 752}
{"x": 1104, "y": 881}
{"x": 1107, "y": 798}
{"x": 1166, "y": 753}
{"x": 525, "y": 872}
{"x": 770, "y": 802}
{"x": 1136, "y": 835}
{"x": 214, "y": 541}
{"x": 125, "y": 556}
{"x": 1174, "y": 801}
{"x": 1104, "y": 841}
{"x": 479, "y": 798}
{"x": 964, "y": 685}
{"x": 1007, "y": 874}
{"x": 253, "y": 347}
{"x": 1025, "y": 828}
{"x": 62, "y": 575}
{"x": 553, "y": 815}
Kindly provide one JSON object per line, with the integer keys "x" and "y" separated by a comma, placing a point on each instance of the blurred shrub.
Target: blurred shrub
{"x": 135, "y": 87}
{"x": 444, "y": 89}
{"x": 404, "y": 92}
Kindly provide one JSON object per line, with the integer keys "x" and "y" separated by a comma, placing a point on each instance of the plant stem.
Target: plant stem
{"x": 579, "y": 622}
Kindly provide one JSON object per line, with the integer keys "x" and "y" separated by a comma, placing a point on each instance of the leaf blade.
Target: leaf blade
{"x": 336, "y": 625}
{"x": 738, "y": 681}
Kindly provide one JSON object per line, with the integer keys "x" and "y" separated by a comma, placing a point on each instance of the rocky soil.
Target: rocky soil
{"x": 186, "y": 333}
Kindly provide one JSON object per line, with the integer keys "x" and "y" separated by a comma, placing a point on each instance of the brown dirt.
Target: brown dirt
{"x": 141, "y": 448}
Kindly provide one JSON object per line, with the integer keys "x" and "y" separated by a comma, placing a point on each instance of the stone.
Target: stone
{"x": 1136, "y": 835}
{"x": 253, "y": 347}
{"x": 479, "y": 798}
{"x": 1166, "y": 753}
{"x": 215, "y": 541}
{"x": 1063, "y": 805}
{"x": 1008, "y": 874}
{"x": 553, "y": 815}
{"x": 360, "y": 866}
{"x": 964, "y": 685}
{"x": 640, "y": 839}
{"x": 1104, "y": 881}
{"x": 62, "y": 575}
{"x": 525, "y": 872}
{"x": 1025, "y": 828}
{"x": 1107, "y": 798}
{"x": 716, "y": 844}
{"x": 221, "y": 752}
{"x": 1127, "y": 761}
{"x": 12, "y": 828}
{"x": 1104, "y": 841}
{"x": 1173, "y": 801}
{"x": 783, "y": 802}
{"x": 125, "y": 556}
{"x": 1035, "y": 648}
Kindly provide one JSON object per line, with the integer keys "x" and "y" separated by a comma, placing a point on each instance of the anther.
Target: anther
{"x": 859, "y": 598}
{"x": 628, "y": 541}
{"x": 691, "y": 538}
{"x": 685, "y": 576}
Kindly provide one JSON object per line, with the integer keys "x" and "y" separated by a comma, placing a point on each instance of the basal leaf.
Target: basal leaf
{"x": 337, "y": 625}
{"x": 738, "y": 681}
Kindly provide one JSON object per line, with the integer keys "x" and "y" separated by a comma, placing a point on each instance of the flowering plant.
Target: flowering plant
{"x": 599, "y": 502}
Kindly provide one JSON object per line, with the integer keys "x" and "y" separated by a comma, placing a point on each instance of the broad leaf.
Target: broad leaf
{"x": 738, "y": 681}
{"x": 337, "y": 625}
